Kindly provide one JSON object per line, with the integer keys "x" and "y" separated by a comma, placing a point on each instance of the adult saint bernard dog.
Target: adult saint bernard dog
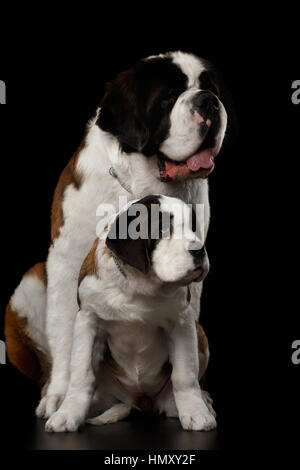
{"x": 157, "y": 131}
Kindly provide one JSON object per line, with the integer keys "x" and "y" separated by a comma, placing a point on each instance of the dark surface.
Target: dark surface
{"x": 140, "y": 431}
{"x": 134, "y": 433}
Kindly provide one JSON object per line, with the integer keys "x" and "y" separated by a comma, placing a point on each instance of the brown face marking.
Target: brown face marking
{"x": 70, "y": 175}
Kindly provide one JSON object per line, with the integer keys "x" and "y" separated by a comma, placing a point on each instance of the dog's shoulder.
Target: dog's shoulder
{"x": 69, "y": 176}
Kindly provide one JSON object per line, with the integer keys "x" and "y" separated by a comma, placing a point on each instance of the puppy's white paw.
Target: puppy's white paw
{"x": 62, "y": 421}
{"x": 196, "y": 417}
{"x": 169, "y": 408}
{"x": 48, "y": 405}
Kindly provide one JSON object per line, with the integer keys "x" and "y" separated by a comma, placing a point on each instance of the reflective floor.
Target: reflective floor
{"x": 137, "y": 432}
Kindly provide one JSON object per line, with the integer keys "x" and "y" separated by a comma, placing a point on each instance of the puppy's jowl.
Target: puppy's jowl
{"x": 158, "y": 129}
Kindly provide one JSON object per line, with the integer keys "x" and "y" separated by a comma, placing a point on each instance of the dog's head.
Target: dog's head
{"x": 162, "y": 235}
{"x": 168, "y": 107}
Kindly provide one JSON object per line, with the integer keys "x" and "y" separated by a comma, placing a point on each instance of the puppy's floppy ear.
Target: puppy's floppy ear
{"x": 135, "y": 252}
{"x": 122, "y": 113}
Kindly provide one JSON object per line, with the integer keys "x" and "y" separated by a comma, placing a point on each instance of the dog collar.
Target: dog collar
{"x": 118, "y": 265}
{"x": 125, "y": 186}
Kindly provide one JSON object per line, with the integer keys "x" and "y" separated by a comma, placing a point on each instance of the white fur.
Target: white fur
{"x": 29, "y": 300}
{"x": 191, "y": 65}
{"x": 145, "y": 322}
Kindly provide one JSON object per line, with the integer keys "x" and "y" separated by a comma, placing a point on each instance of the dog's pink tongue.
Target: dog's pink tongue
{"x": 202, "y": 159}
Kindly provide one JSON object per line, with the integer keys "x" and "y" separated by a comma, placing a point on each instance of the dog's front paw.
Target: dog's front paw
{"x": 195, "y": 416}
{"x": 63, "y": 421}
{"x": 48, "y": 405}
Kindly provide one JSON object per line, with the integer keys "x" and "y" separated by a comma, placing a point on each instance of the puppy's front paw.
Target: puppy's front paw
{"x": 195, "y": 416}
{"x": 48, "y": 405}
{"x": 62, "y": 421}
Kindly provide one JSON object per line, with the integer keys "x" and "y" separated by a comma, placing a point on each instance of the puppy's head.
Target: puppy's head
{"x": 168, "y": 107}
{"x": 161, "y": 235}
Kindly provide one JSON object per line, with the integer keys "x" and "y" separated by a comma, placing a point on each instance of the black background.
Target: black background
{"x": 55, "y": 76}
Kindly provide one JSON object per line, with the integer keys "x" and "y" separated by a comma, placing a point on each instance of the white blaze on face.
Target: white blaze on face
{"x": 171, "y": 259}
{"x": 184, "y": 138}
{"x": 191, "y": 66}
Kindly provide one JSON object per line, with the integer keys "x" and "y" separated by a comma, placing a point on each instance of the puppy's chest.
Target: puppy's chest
{"x": 139, "y": 349}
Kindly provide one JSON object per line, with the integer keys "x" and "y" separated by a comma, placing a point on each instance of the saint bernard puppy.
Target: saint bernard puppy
{"x": 158, "y": 129}
{"x": 136, "y": 343}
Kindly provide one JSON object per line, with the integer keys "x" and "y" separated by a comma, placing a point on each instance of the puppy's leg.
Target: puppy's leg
{"x": 192, "y": 410}
{"x": 75, "y": 406}
{"x": 165, "y": 402}
{"x": 115, "y": 413}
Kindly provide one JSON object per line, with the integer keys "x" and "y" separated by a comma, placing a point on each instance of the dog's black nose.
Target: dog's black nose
{"x": 206, "y": 103}
{"x": 198, "y": 254}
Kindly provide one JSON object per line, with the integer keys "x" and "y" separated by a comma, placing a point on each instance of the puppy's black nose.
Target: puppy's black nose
{"x": 198, "y": 254}
{"x": 206, "y": 103}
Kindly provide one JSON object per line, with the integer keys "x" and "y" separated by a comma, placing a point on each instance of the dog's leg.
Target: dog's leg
{"x": 115, "y": 413}
{"x": 192, "y": 410}
{"x": 62, "y": 272}
{"x": 75, "y": 406}
{"x": 165, "y": 402}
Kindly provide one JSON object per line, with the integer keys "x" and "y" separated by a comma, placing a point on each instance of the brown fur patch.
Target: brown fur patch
{"x": 90, "y": 264}
{"x": 89, "y": 267}
{"x": 21, "y": 350}
{"x": 38, "y": 270}
{"x": 106, "y": 251}
{"x": 202, "y": 350}
{"x": 202, "y": 339}
{"x": 70, "y": 175}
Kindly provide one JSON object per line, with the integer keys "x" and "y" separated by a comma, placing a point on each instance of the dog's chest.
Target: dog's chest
{"x": 140, "y": 350}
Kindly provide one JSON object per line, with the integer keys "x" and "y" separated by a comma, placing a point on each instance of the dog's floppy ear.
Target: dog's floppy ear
{"x": 122, "y": 113}
{"x": 133, "y": 251}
